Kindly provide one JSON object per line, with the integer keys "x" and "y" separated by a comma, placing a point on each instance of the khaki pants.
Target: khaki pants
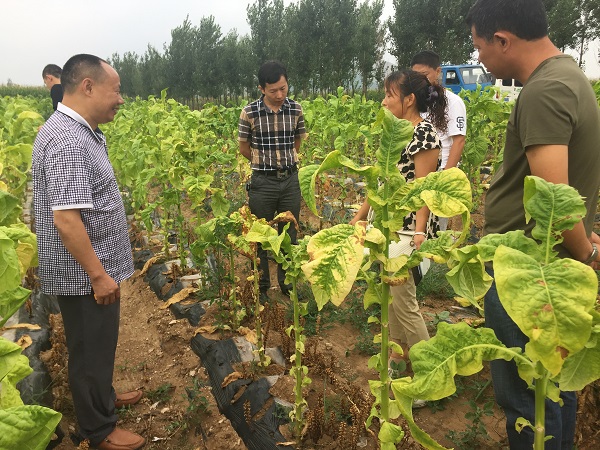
{"x": 406, "y": 322}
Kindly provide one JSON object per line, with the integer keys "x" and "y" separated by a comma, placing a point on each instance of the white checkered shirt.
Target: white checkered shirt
{"x": 71, "y": 170}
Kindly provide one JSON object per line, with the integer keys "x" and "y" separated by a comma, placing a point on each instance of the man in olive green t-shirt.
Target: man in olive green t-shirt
{"x": 553, "y": 133}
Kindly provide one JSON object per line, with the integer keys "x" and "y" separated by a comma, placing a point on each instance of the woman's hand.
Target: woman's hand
{"x": 418, "y": 240}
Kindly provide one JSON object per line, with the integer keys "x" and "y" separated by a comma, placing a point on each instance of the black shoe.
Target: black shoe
{"x": 285, "y": 289}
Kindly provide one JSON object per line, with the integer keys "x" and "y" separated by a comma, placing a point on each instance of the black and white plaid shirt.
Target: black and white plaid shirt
{"x": 71, "y": 170}
{"x": 272, "y": 134}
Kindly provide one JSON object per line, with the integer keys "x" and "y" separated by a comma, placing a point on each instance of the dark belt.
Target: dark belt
{"x": 279, "y": 173}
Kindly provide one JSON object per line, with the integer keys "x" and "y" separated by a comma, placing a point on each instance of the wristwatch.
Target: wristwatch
{"x": 592, "y": 256}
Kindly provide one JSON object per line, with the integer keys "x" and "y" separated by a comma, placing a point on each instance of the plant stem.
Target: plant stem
{"x": 259, "y": 338}
{"x": 298, "y": 363}
{"x": 234, "y": 304}
{"x": 540, "y": 412}
{"x": 385, "y": 306}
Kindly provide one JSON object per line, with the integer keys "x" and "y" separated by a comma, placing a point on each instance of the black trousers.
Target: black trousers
{"x": 91, "y": 331}
{"x": 269, "y": 195}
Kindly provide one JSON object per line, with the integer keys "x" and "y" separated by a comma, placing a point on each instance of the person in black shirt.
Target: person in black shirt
{"x": 51, "y": 75}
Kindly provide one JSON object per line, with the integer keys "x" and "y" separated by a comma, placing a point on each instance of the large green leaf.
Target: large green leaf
{"x": 396, "y": 135}
{"x": 13, "y": 367}
{"x": 583, "y": 367}
{"x": 27, "y": 427}
{"x": 554, "y": 207}
{"x": 468, "y": 277}
{"x": 335, "y": 255}
{"x": 446, "y": 194}
{"x": 9, "y": 208}
{"x": 267, "y": 236}
{"x": 488, "y": 244}
{"x": 455, "y": 350}
{"x": 26, "y": 245}
{"x": 10, "y": 272}
{"x": 10, "y": 302}
{"x": 549, "y": 303}
{"x": 404, "y": 405}
{"x": 307, "y": 179}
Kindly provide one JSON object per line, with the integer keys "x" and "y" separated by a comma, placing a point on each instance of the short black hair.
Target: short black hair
{"x": 52, "y": 69}
{"x": 79, "y": 67}
{"x": 270, "y": 72}
{"x": 426, "y": 58}
{"x": 526, "y": 19}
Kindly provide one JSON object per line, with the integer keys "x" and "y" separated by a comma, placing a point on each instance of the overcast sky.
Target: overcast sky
{"x": 34, "y": 33}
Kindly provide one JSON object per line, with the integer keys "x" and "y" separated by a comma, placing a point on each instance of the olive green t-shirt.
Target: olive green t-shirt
{"x": 556, "y": 106}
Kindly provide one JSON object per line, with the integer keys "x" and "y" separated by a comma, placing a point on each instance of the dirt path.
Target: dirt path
{"x": 178, "y": 410}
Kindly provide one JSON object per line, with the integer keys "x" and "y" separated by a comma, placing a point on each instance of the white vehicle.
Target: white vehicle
{"x": 508, "y": 89}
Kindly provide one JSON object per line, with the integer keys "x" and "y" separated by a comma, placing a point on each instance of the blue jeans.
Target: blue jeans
{"x": 512, "y": 393}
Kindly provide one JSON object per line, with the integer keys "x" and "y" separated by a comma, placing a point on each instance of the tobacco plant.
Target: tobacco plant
{"x": 446, "y": 194}
{"x": 551, "y": 299}
{"x": 21, "y": 426}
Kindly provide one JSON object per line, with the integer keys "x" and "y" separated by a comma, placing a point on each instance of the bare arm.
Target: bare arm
{"x": 458, "y": 144}
{"x": 551, "y": 162}
{"x": 425, "y": 163}
{"x": 362, "y": 213}
{"x": 297, "y": 143}
{"x": 245, "y": 150}
{"x": 76, "y": 240}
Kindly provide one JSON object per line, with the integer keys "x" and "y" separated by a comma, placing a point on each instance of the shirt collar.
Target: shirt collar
{"x": 77, "y": 117}
{"x": 285, "y": 105}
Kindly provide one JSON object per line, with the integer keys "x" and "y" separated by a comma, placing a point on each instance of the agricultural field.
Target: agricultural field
{"x": 220, "y": 370}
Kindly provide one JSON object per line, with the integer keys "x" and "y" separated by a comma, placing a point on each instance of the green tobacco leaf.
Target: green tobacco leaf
{"x": 396, "y": 135}
{"x": 488, "y": 244}
{"x": 446, "y": 193}
{"x": 307, "y": 178}
{"x": 335, "y": 255}
{"x": 10, "y": 272}
{"x": 9, "y": 208}
{"x": 468, "y": 277}
{"x": 11, "y": 301}
{"x": 583, "y": 367}
{"x": 549, "y": 303}
{"x": 267, "y": 236}
{"x": 455, "y": 350}
{"x": 13, "y": 367}
{"x": 219, "y": 204}
{"x": 390, "y": 435}
{"x": 27, "y": 427}
{"x": 404, "y": 404}
{"x": 554, "y": 207}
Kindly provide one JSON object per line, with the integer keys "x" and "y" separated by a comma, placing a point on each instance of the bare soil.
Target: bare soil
{"x": 178, "y": 410}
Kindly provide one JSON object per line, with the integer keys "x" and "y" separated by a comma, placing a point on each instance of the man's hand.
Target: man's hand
{"x": 106, "y": 290}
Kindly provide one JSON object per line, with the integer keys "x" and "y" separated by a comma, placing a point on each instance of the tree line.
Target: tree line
{"x": 324, "y": 44}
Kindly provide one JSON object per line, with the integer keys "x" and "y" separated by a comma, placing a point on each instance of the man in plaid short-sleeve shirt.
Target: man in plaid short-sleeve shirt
{"x": 83, "y": 242}
{"x": 270, "y": 132}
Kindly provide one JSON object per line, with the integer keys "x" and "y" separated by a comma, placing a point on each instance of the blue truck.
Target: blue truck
{"x": 465, "y": 76}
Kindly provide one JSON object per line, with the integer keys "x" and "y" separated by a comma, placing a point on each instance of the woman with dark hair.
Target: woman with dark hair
{"x": 407, "y": 95}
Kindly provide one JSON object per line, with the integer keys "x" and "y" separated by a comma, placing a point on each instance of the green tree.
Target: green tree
{"x": 369, "y": 39}
{"x": 128, "y": 68}
{"x": 266, "y": 20}
{"x": 437, "y": 25}
{"x": 180, "y": 55}
{"x": 153, "y": 72}
{"x": 207, "y": 46}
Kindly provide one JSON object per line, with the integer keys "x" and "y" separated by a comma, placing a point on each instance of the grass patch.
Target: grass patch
{"x": 435, "y": 284}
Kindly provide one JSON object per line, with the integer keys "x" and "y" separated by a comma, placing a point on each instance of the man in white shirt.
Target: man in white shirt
{"x": 453, "y": 140}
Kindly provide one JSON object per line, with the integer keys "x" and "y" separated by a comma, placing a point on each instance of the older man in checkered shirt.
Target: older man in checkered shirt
{"x": 270, "y": 132}
{"x": 83, "y": 242}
